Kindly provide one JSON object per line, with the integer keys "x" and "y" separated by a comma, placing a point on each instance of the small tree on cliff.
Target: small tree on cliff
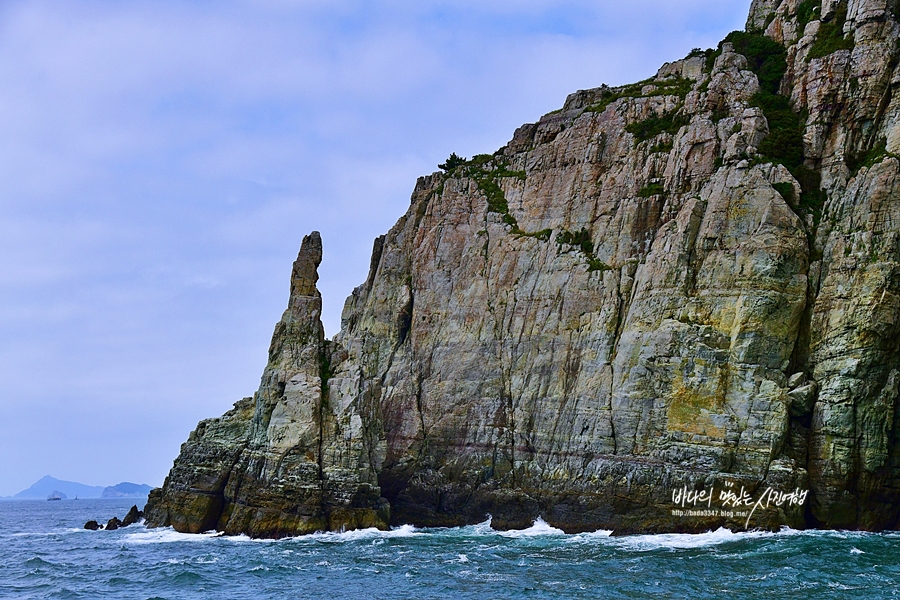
{"x": 452, "y": 162}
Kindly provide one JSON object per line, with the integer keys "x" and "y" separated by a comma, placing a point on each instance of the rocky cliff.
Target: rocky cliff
{"x": 689, "y": 282}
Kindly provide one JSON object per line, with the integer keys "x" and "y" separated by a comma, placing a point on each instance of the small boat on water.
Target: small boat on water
{"x": 56, "y": 496}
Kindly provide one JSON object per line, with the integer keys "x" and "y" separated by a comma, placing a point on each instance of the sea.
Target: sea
{"x": 46, "y": 553}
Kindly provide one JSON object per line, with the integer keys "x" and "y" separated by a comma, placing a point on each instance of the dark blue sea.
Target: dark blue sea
{"x": 45, "y": 553}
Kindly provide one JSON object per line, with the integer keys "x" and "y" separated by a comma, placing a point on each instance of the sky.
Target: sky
{"x": 160, "y": 162}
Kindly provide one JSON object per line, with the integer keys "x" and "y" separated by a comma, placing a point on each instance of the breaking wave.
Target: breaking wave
{"x": 50, "y": 556}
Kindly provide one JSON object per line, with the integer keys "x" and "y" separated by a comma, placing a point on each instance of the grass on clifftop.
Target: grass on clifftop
{"x": 452, "y": 162}
{"x": 487, "y": 171}
{"x": 649, "y": 128}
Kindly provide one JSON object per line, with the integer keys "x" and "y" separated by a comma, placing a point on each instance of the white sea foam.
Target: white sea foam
{"x": 483, "y": 528}
{"x": 594, "y": 535}
{"x": 244, "y": 538}
{"x": 683, "y": 541}
{"x": 167, "y": 535}
{"x": 372, "y": 533}
{"x": 207, "y": 560}
{"x": 539, "y": 528}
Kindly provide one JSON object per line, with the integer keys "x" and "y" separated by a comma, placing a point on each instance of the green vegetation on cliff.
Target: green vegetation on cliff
{"x": 673, "y": 86}
{"x": 784, "y": 144}
{"x": 868, "y": 158}
{"x": 808, "y": 11}
{"x": 650, "y": 128}
{"x": 452, "y": 162}
{"x": 766, "y": 57}
{"x": 487, "y": 171}
{"x": 583, "y": 242}
{"x": 652, "y": 189}
{"x": 831, "y": 38}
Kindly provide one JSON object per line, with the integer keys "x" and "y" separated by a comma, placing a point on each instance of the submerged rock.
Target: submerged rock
{"x": 134, "y": 516}
{"x": 683, "y": 287}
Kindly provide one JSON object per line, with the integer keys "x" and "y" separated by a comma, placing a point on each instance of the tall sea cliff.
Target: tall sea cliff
{"x": 689, "y": 282}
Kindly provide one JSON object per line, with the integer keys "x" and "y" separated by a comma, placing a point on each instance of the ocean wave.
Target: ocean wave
{"x": 167, "y": 535}
{"x": 539, "y": 528}
{"x": 686, "y": 541}
{"x": 483, "y": 528}
{"x": 600, "y": 534}
{"x": 38, "y": 534}
{"x": 244, "y": 538}
{"x": 372, "y": 533}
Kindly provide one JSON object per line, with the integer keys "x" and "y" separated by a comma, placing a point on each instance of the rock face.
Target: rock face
{"x": 284, "y": 461}
{"x": 134, "y": 516}
{"x": 688, "y": 283}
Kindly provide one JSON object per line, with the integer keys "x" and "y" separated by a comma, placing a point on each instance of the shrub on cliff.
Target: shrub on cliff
{"x": 452, "y": 162}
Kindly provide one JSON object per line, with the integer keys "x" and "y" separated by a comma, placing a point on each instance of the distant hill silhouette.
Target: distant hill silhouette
{"x": 127, "y": 490}
{"x": 48, "y": 485}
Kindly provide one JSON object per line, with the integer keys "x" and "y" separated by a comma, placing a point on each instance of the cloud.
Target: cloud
{"x": 162, "y": 160}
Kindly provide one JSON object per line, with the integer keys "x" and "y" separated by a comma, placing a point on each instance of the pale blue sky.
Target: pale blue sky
{"x": 160, "y": 162}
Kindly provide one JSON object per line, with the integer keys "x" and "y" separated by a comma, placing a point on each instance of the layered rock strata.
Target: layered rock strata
{"x": 690, "y": 282}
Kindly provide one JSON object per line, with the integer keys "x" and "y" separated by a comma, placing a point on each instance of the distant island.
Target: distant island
{"x": 48, "y": 486}
{"x": 126, "y": 490}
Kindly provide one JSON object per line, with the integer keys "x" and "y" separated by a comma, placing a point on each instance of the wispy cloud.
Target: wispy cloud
{"x": 160, "y": 162}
